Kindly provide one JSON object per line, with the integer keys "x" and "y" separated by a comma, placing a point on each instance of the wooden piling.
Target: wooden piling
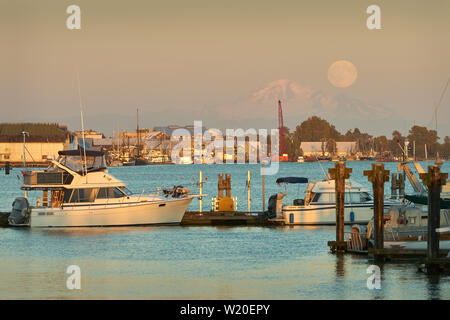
{"x": 401, "y": 184}
{"x": 248, "y": 191}
{"x": 394, "y": 186}
{"x": 339, "y": 173}
{"x": 220, "y": 186}
{"x": 433, "y": 179}
{"x": 228, "y": 185}
{"x": 378, "y": 176}
{"x": 263, "y": 189}
{"x": 200, "y": 189}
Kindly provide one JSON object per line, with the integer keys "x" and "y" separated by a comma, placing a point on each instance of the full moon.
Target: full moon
{"x": 342, "y": 73}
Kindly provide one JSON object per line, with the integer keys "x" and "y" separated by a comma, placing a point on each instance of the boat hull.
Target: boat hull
{"x": 326, "y": 215}
{"x": 141, "y": 213}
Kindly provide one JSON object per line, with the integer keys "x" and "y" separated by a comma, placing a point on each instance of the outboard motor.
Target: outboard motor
{"x": 275, "y": 207}
{"x": 20, "y": 213}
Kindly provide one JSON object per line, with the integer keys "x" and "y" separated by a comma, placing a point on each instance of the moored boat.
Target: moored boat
{"x": 78, "y": 191}
{"x": 318, "y": 207}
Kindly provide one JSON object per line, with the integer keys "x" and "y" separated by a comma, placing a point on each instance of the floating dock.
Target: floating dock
{"x": 196, "y": 218}
{"x": 401, "y": 250}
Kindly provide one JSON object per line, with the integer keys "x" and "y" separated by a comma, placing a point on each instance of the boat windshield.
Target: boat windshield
{"x": 92, "y": 194}
{"x": 76, "y": 162}
{"x": 350, "y": 197}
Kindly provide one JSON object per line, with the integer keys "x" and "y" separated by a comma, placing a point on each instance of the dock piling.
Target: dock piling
{"x": 401, "y": 184}
{"x": 200, "y": 189}
{"x": 264, "y": 186}
{"x": 339, "y": 173}
{"x": 248, "y": 191}
{"x": 228, "y": 185}
{"x": 378, "y": 176}
{"x": 220, "y": 185}
{"x": 433, "y": 179}
{"x": 394, "y": 186}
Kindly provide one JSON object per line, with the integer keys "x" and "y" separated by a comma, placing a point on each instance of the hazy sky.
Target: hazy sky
{"x": 225, "y": 63}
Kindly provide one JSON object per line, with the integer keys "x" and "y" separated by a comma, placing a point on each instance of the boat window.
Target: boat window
{"x": 325, "y": 197}
{"x": 352, "y": 197}
{"x": 364, "y": 197}
{"x": 76, "y": 163}
{"x": 108, "y": 193}
{"x": 316, "y": 197}
{"x": 67, "y": 195}
{"x": 83, "y": 195}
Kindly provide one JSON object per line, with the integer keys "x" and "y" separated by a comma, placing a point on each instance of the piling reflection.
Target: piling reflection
{"x": 340, "y": 265}
{"x": 433, "y": 287}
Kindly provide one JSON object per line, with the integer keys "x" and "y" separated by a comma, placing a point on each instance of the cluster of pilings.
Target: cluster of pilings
{"x": 378, "y": 176}
{"x": 224, "y": 185}
{"x": 398, "y": 185}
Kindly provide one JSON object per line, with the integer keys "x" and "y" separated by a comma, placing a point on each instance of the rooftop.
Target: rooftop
{"x": 38, "y": 132}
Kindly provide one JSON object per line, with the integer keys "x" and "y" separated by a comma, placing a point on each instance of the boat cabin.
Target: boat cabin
{"x": 323, "y": 192}
{"x": 77, "y": 176}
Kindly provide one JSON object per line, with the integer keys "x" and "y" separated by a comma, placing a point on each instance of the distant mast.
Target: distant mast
{"x": 281, "y": 129}
{"x": 84, "y": 167}
{"x": 138, "y": 134}
{"x": 438, "y": 161}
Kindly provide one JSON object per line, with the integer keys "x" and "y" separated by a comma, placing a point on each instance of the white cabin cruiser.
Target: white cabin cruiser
{"x": 319, "y": 204}
{"x": 79, "y": 192}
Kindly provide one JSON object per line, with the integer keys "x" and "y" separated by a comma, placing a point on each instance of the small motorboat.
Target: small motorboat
{"x": 318, "y": 207}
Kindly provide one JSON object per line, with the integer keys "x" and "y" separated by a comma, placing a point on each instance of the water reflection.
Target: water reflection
{"x": 433, "y": 287}
{"x": 96, "y": 231}
{"x": 340, "y": 265}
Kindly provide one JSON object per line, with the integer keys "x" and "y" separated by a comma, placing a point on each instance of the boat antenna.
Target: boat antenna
{"x": 24, "y": 133}
{"x": 327, "y": 177}
{"x": 84, "y": 163}
{"x": 435, "y": 113}
{"x": 440, "y": 101}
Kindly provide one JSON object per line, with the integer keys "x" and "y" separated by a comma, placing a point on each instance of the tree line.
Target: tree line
{"x": 316, "y": 129}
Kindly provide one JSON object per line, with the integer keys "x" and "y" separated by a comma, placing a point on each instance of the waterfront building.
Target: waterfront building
{"x": 43, "y": 141}
{"x": 343, "y": 149}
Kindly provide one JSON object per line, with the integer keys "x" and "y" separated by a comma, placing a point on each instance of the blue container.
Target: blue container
{"x": 291, "y": 218}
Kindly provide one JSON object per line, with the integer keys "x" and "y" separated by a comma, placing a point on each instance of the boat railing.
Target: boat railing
{"x": 142, "y": 193}
{"x": 42, "y": 201}
{"x": 355, "y": 242}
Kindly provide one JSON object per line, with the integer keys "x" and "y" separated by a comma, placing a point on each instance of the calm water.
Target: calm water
{"x": 199, "y": 262}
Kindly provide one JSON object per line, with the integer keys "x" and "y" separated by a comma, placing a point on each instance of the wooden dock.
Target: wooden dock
{"x": 195, "y": 218}
{"x": 4, "y": 219}
{"x": 407, "y": 250}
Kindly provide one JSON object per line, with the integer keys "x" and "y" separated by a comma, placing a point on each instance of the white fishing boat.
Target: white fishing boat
{"x": 78, "y": 191}
{"x": 318, "y": 207}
